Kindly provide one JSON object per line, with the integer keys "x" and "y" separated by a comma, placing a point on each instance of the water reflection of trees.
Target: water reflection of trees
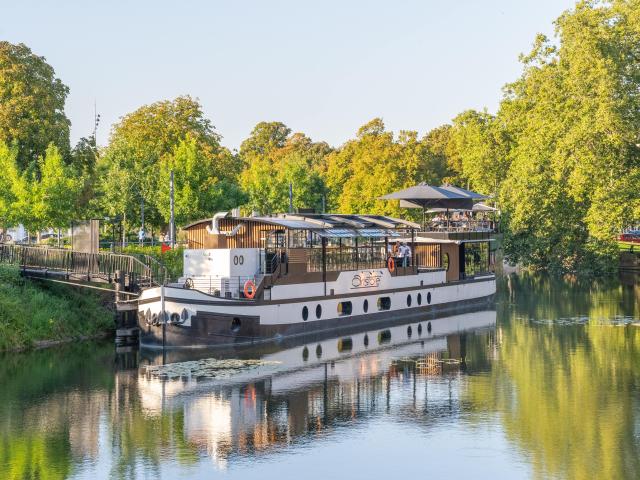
{"x": 567, "y": 395}
{"x": 52, "y": 418}
{"x": 49, "y": 410}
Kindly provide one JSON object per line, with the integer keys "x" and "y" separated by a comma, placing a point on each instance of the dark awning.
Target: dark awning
{"x": 428, "y": 196}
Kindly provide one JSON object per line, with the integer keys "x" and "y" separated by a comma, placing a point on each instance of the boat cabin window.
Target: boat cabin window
{"x": 349, "y": 253}
{"x": 345, "y": 308}
{"x": 276, "y": 239}
{"x": 384, "y": 303}
{"x": 304, "y": 239}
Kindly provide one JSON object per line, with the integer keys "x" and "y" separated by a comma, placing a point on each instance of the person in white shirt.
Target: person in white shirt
{"x": 405, "y": 254}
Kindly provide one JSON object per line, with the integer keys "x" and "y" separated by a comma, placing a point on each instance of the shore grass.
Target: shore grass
{"x": 35, "y": 313}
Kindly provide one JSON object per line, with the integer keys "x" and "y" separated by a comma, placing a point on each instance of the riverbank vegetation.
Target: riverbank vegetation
{"x": 36, "y": 313}
{"x": 560, "y": 157}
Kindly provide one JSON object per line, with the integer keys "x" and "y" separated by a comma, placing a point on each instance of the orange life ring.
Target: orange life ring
{"x": 249, "y": 289}
{"x": 391, "y": 264}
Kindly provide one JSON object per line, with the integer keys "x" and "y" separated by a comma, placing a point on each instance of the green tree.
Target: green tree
{"x": 58, "y": 191}
{"x": 31, "y": 104}
{"x": 84, "y": 160}
{"x": 273, "y": 160}
{"x": 481, "y": 145}
{"x": 574, "y": 118}
{"x": 198, "y": 191}
{"x": 138, "y": 145}
{"x": 8, "y": 182}
{"x": 376, "y": 163}
{"x": 28, "y": 206}
{"x": 440, "y": 161}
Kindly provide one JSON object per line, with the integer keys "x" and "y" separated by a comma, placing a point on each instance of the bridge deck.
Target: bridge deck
{"x": 90, "y": 267}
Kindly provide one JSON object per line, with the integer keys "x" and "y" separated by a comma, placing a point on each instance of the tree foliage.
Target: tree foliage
{"x": 57, "y": 192}
{"x": 199, "y": 186}
{"x": 142, "y": 141}
{"x": 9, "y": 180}
{"x": 31, "y": 104}
{"x": 574, "y": 117}
{"x": 479, "y": 143}
{"x": 275, "y": 159}
{"x": 376, "y": 163}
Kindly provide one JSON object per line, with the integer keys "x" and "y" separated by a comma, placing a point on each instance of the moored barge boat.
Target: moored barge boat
{"x": 256, "y": 279}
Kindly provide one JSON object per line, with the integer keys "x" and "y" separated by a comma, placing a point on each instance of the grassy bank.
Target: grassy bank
{"x": 34, "y": 313}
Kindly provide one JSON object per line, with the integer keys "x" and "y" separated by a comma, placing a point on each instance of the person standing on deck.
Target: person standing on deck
{"x": 405, "y": 254}
{"x": 395, "y": 251}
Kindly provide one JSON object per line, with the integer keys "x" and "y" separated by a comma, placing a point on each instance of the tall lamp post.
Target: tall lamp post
{"x": 172, "y": 224}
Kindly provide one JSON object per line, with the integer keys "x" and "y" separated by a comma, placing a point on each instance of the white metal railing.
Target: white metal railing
{"x": 225, "y": 287}
{"x": 460, "y": 226}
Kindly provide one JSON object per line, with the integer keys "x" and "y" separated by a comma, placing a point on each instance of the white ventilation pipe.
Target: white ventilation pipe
{"x": 214, "y": 229}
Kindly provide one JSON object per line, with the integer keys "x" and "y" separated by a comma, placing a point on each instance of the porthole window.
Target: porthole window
{"x": 384, "y": 336}
{"x": 419, "y": 299}
{"x": 428, "y": 297}
{"x": 305, "y": 354}
{"x": 344, "y": 308}
{"x": 384, "y": 303}
{"x": 345, "y": 344}
{"x": 365, "y": 305}
{"x": 318, "y": 311}
{"x": 408, "y": 300}
{"x": 409, "y": 331}
{"x": 235, "y": 325}
{"x": 305, "y": 313}
{"x": 419, "y": 329}
{"x": 366, "y": 340}
{"x": 319, "y": 351}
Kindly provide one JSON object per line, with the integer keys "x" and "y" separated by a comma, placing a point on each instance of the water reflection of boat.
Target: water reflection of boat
{"x": 313, "y": 385}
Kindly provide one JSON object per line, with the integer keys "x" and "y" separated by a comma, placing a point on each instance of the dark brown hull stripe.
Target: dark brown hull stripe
{"x": 248, "y": 303}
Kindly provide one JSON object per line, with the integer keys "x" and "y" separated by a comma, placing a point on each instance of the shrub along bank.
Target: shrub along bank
{"x": 38, "y": 313}
{"x": 172, "y": 259}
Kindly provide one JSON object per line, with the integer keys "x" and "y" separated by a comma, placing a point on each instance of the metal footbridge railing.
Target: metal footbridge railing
{"x": 89, "y": 266}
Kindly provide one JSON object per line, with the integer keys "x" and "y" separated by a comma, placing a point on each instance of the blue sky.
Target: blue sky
{"x": 323, "y": 68}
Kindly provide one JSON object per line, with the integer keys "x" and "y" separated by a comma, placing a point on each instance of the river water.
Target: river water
{"x": 547, "y": 385}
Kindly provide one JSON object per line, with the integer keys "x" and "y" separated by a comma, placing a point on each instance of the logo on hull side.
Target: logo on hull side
{"x": 367, "y": 279}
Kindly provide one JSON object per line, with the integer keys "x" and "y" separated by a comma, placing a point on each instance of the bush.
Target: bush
{"x": 172, "y": 259}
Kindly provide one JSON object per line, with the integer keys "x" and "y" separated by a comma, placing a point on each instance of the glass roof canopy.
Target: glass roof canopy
{"x": 363, "y": 232}
{"x": 338, "y": 225}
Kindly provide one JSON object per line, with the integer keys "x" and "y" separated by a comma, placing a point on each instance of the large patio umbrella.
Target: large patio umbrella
{"x": 478, "y": 207}
{"x": 462, "y": 191}
{"x": 427, "y": 196}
